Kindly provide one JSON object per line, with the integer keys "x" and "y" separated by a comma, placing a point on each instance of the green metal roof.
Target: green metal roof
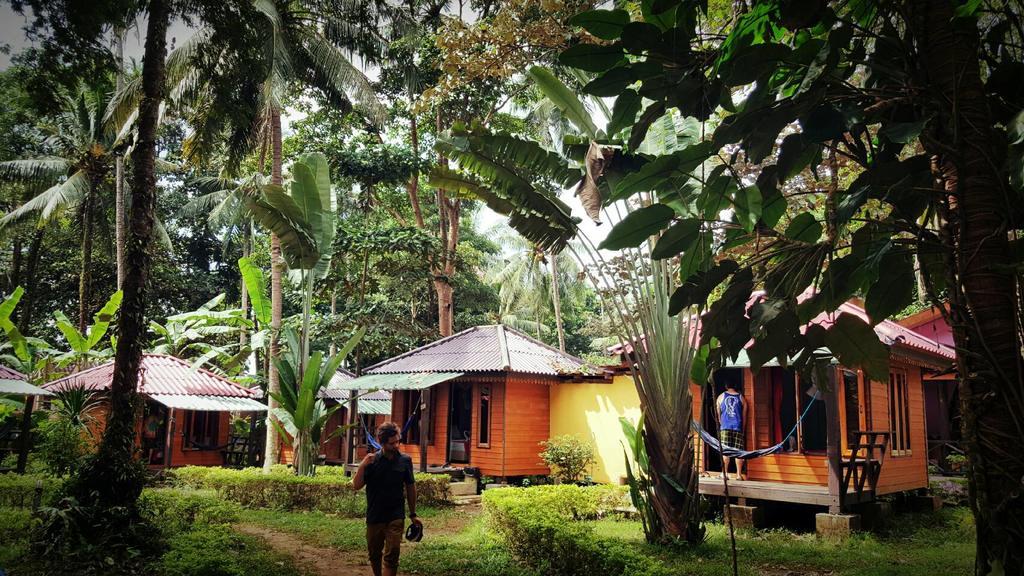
{"x": 413, "y": 381}
{"x": 20, "y": 387}
{"x": 205, "y": 403}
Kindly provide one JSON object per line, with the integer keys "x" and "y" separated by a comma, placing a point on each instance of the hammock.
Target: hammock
{"x": 731, "y": 452}
{"x": 373, "y": 441}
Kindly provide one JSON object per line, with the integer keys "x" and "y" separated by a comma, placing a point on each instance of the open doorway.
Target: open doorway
{"x": 154, "y": 434}
{"x": 722, "y": 379}
{"x": 460, "y": 422}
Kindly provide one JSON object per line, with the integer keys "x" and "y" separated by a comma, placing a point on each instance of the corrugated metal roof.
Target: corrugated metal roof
{"x": 333, "y": 390}
{"x": 400, "y": 381}
{"x": 209, "y": 403}
{"x": 21, "y": 388}
{"x": 10, "y": 374}
{"x": 486, "y": 349}
{"x": 159, "y": 374}
{"x": 375, "y": 407}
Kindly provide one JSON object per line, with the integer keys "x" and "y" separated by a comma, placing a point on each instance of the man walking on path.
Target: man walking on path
{"x": 385, "y": 474}
{"x": 732, "y": 417}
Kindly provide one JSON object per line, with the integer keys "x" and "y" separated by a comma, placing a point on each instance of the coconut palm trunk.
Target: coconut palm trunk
{"x": 120, "y": 228}
{"x": 113, "y": 477}
{"x": 32, "y": 262}
{"x": 983, "y": 305}
{"x": 272, "y": 452}
{"x": 556, "y": 300}
{"x": 85, "y": 272}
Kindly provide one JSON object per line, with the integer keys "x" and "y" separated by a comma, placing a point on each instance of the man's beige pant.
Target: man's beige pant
{"x": 384, "y": 542}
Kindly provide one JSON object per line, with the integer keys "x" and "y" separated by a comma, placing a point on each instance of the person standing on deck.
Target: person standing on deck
{"x": 732, "y": 417}
{"x": 386, "y": 475}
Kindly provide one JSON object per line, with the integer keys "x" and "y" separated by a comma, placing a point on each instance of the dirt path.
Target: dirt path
{"x": 311, "y": 559}
{"x": 326, "y": 561}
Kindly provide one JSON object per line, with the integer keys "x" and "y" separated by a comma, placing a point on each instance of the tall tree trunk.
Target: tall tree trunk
{"x": 556, "y": 299}
{"x": 16, "y": 258}
{"x": 272, "y": 453}
{"x": 243, "y": 334}
{"x": 34, "y": 252}
{"x": 85, "y": 274}
{"x": 113, "y": 477}
{"x": 119, "y": 221}
{"x": 982, "y": 303}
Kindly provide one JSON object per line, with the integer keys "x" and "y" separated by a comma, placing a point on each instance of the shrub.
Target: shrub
{"x": 15, "y": 526}
{"x": 63, "y": 445}
{"x": 541, "y": 527}
{"x": 567, "y": 456}
{"x": 329, "y": 491}
{"x": 174, "y": 510}
{"x": 215, "y": 550}
{"x": 19, "y": 491}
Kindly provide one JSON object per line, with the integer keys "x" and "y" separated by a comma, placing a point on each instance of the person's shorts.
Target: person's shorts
{"x": 384, "y": 542}
{"x": 732, "y": 438}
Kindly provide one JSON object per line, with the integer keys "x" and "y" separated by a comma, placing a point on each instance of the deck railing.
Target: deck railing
{"x": 861, "y": 468}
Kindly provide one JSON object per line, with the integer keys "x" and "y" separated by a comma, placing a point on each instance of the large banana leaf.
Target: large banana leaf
{"x": 277, "y": 212}
{"x": 256, "y": 286}
{"x": 14, "y": 335}
{"x": 565, "y": 100}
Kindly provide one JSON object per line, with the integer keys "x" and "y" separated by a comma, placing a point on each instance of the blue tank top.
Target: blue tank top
{"x": 731, "y": 412}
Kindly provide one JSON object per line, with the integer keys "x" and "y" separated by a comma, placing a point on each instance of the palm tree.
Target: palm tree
{"x": 83, "y": 145}
{"x": 223, "y": 205}
{"x": 290, "y": 42}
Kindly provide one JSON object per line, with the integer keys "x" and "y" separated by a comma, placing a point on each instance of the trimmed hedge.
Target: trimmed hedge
{"x": 542, "y": 527}
{"x": 329, "y": 491}
{"x": 18, "y": 491}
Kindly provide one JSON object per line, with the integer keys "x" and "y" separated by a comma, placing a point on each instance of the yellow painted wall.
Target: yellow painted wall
{"x": 591, "y": 411}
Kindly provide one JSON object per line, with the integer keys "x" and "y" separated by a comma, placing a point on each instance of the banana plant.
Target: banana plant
{"x": 302, "y": 415}
{"x": 304, "y": 219}
{"x": 198, "y": 335}
{"x": 25, "y": 354}
{"x": 84, "y": 347}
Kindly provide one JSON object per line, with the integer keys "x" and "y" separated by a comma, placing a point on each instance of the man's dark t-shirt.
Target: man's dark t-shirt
{"x": 386, "y": 479}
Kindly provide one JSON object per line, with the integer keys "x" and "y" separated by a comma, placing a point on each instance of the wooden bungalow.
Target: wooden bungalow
{"x": 185, "y": 419}
{"x": 479, "y": 398}
{"x": 857, "y": 439}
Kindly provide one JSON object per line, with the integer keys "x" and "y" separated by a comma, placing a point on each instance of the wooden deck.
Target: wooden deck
{"x": 777, "y": 491}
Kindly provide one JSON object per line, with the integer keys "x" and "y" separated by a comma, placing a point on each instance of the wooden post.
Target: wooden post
{"x": 26, "y": 434}
{"x": 425, "y": 416}
{"x": 352, "y": 419}
{"x": 833, "y": 434}
{"x": 169, "y": 441}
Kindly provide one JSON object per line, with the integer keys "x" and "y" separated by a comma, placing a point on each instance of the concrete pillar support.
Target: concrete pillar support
{"x": 745, "y": 516}
{"x": 836, "y": 526}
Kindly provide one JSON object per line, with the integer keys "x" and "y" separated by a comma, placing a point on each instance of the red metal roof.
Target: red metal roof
{"x": 485, "y": 349}
{"x": 10, "y": 374}
{"x": 158, "y": 374}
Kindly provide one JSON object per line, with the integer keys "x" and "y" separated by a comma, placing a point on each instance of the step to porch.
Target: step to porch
{"x": 465, "y": 488}
{"x": 466, "y": 500}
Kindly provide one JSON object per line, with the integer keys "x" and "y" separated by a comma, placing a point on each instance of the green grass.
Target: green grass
{"x": 912, "y": 545}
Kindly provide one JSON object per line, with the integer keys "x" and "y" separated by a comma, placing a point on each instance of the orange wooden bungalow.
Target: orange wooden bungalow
{"x": 857, "y": 439}
{"x": 484, "y": 395}
{"x": 186, "y": 416}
